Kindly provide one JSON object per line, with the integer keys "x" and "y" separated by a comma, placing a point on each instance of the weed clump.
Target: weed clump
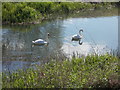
{"x": 92, "y": 71}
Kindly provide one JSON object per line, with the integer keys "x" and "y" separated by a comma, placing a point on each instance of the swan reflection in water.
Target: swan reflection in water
{"x": 77, "y": 37}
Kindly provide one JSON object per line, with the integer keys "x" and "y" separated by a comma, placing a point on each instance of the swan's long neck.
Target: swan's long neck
{"x": 80, "y": 32}
{"x": 47, "y": 38}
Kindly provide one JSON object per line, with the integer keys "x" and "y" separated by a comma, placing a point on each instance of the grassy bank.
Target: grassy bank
{"x": 86, "y": 72}
{"x": 35, "y": 12}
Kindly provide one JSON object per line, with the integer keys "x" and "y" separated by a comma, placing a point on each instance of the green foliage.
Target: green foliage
{"x": 42, "y": 7}
{"x": 85, "y": 72}
{"x": 27, "y": 14}
{"x": 8, "y": 10}
{"x": 17, "y": 12}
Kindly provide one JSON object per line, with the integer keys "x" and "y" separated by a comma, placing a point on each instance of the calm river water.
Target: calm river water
{"x": 100, "y": 36}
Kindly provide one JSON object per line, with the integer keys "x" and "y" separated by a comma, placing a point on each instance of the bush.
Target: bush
{"x": 86, "y": 72}
{"x": 19, "y": 12}
{"x": 8, "y": 10}
{"x": 15, "y": 12}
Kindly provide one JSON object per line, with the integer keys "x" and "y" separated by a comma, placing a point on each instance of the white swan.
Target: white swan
{"x": 40, "y": 41}
{"x": 77, "y": 37}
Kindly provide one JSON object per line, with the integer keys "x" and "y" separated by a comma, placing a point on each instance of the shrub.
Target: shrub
{"x": 86, "y": 72}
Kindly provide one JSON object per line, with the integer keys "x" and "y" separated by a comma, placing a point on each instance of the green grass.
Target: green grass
{"x": 86, "y": 72}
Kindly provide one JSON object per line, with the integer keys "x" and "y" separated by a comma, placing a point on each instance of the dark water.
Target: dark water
{"x": 100, "y": 36}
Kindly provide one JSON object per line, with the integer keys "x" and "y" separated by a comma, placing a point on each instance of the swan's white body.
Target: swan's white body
{"x": 40, "y": 42}
{"x": 77, "y": 37}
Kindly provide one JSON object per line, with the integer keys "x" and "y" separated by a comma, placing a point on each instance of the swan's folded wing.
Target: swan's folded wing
{"x": 76, "y": 36}
{"x": 39, "y": 41}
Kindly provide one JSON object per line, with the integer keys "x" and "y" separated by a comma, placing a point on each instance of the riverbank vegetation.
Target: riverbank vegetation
{"x": 36, "y": 12}
{"x": 92, "y": 71}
